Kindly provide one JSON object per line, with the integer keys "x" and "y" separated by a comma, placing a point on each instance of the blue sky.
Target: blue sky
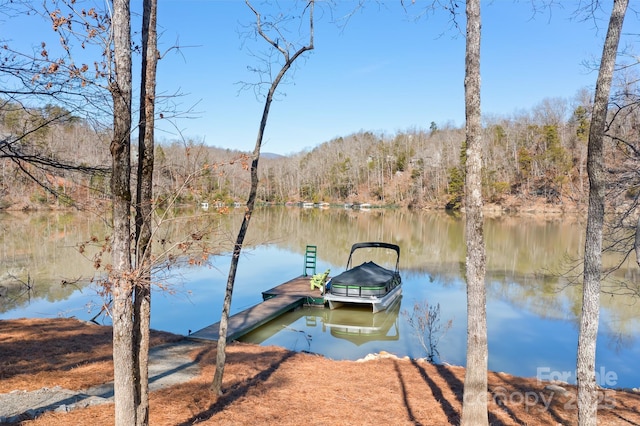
{"x": 384, "y": 72}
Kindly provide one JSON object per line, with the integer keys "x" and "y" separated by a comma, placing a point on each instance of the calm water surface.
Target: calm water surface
{"x": 532, "y": 311}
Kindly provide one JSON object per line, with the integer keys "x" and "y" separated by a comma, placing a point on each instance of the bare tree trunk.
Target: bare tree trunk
{"x": 122, "y": 315}
{"x": 474, "y": 406}
{"x": 586, "y": 361}
{"x": 216, "y": 385}
{"x": 144, "y": 209}
{"x": 636, "y": 243}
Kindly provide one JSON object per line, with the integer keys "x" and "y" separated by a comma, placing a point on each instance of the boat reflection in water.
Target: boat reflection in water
{"x": 359, "y": 325}
{"x": 312, "y": 329}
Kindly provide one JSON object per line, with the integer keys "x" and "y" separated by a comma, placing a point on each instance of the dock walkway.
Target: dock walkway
{"x": 278, "y": 300}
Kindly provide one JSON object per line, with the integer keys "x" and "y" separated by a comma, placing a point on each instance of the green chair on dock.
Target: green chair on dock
{"x": 310, "y": 260}
{"x": 319, "y": 280}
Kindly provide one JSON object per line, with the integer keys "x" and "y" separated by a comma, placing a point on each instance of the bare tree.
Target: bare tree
{"x": 587, "y": 387}
{"x": 474, "y": 406}
{"x": 36, "y": 77}
{"x": 144, "y": 209}
{"x": 289, "y": 55}
{"x": 120, "y": 277}
{"x": 129, "y": 285}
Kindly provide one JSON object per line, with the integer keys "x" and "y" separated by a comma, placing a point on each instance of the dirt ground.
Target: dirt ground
{"x": 270, "y": 385}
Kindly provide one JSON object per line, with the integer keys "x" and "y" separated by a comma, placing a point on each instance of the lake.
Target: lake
{"x": 532, "y": 305}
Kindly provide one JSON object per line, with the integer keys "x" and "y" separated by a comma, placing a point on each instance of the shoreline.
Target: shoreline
{"x": 271, "y": 385}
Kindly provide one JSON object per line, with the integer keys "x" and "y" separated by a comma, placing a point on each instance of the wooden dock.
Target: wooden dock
{"x": 276, "y": 301}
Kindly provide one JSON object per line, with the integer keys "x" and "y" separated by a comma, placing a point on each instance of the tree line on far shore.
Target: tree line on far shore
{"x": 532, "y": 158}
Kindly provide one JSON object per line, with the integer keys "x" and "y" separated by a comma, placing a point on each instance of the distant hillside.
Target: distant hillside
{"x": 533, "y": 161}
{"x": 270, "y": 155}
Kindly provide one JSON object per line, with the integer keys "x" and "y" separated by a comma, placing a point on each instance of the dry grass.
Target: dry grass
{"x": 270, "y": 385}
{"x": 40, "y": 353}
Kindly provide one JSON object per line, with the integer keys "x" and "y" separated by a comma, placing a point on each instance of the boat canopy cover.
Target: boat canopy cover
{"x": 374, "y": 244}
{"x": 368, "y": 274}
